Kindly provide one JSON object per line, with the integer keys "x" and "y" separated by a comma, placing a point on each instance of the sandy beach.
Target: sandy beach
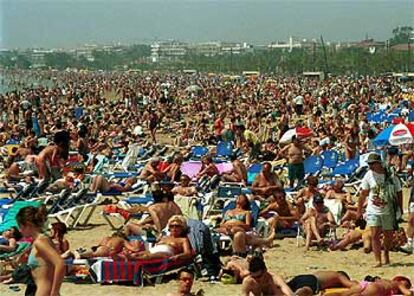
{"x": 285, "y": 259}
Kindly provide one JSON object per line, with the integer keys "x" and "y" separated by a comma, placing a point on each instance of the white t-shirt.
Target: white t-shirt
{"x": 372, "y": 181}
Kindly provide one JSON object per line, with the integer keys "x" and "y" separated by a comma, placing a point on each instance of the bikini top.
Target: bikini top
{"x": 32, "y": 261}
{"x": 237, "y": 217}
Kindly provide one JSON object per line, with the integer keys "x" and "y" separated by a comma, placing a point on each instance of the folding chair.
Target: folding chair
{"x": 197, "y": 152}
{"x": 224, "y": 151}
{"x": 313, "y": 165}
{"x": 253, "y": 170}
{"x": 330, "y": 159}
{"x": 127, "y": 203}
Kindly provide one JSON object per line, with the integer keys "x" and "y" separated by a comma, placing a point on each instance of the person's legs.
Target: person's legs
{"x": 309, "y": 235}
{"x": 258, "y": 242}
{"x": 409, "y": 247}
{"x": 376, "y": 244}
{"x": 239, "y": 242}
{"x": 42, "y": 168}
{"x": 348, "y": 239}
{"x": 101, "y": 184}
{"x": 387, "y": 245}
{"x": 300, "y": 205}
{"x": 273, "y": 221}
{"x": 132, "y": 229}
{"x": 367, "y": 242}
{"x": 350, "y": 215}
{"x": 229, "y": 178}
{"x": 93, "y": 187}
{"x": 154, "y": 140}
{"x": 13, "y": 172}
{"x": 101, "y": 251}
{"x": 291, "y": 175}
{"x": 314, "y": 229}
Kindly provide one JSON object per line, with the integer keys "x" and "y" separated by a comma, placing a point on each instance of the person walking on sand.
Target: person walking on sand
{"x": 383, "y": 190}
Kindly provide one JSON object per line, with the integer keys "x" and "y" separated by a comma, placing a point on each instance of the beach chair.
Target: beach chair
{"x": 124, "y": 162}
{"x": 253, "y": 170}
{"x": 330, "y": 159}
{"x": 313, "y": 165}
{"x": 138, "y": 272}
{"x": 205, "y": 262}
{"x": 224, "y": 151}
{"x": 224, "y": 241}
{"x": 14, "y": 258}
{"x": 197, "y": 152}
{"x": 72, "y": 211}
{"x": 116, "y": 219}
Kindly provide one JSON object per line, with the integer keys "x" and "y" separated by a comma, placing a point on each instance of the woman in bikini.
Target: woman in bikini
{"x": 46, "y": 265}
{"x": 237, "y": 223}
{"x": 399, "y": 285}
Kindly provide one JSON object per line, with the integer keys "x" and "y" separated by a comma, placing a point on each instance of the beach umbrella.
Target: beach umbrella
{"x": 299, "y": 132}
{"x": 398, "y": 134}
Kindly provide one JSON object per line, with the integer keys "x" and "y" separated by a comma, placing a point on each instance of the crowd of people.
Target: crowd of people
{"x": 103, "y": 113}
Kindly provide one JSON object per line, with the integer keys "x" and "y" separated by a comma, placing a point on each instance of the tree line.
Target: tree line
{"x": 317, "y": 58}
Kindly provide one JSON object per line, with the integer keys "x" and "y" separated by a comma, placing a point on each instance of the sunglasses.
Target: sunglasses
{"x": 175, "y": 226}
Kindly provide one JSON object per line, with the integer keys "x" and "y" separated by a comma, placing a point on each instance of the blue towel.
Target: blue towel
{"x": 10, "y": 218}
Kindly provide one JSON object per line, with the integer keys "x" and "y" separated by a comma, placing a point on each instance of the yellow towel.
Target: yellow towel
{"x": 331, "y": 291}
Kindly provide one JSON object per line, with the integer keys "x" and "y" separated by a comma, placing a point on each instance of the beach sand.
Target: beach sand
{"x": 285, "y": 259}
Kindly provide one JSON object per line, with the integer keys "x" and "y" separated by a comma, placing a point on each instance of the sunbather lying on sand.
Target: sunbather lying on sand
{"x": 379, "y": 287}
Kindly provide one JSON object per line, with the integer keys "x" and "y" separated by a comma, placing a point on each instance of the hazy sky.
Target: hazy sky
{"x": 64, "y": 23}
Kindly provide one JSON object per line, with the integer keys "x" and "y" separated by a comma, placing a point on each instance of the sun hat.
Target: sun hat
{"x": 373, "y": 157}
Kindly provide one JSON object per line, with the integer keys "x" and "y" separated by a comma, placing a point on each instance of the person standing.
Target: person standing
{"x": 384, "y": 193}
{"x": 152, "y": 125}
{"x": 295, "y": 157}
{"x": 46, "y": 265}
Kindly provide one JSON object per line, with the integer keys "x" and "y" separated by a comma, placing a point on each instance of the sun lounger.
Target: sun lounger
{"x": 9, "y": 220}
{"x": 113, "y": 271}
{"x": 22, "y": 247}
{"x": 72, "y": 212}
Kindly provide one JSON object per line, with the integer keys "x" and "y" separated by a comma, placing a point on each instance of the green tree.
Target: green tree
{"x": 401, "y": 34}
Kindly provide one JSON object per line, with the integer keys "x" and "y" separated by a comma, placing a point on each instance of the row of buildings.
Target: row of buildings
{"x": 174, "y": 50}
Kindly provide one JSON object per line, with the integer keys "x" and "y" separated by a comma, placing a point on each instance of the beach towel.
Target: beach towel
{"x": 188, "y": 206}
{"x": 191, "y": 168}
{"x": 9, "y": 220}
{"x": 110, "y": 271}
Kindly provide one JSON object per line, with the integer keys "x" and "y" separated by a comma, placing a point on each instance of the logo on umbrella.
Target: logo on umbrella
{"x": 399, "y": 133}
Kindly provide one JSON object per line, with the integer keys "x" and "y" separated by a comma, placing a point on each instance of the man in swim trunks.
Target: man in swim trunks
{"x": 311, "y": 284}
{"x": 265, "y": 183}
{"x": 295, "y": 159}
